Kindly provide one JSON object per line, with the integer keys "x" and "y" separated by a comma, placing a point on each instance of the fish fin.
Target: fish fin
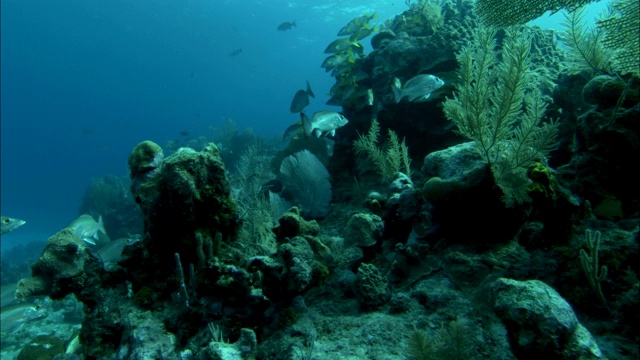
{"x": 101, "y": 225}
{"x": 88, "y": 241}
{"x": 307, "y": 127}
{"x": 309, "y": 91}
{"x": 396, "y": 90}
{"x": 317, "y": 133}
{"x": 333, "y": 133}
{"x": 293, "y": 23}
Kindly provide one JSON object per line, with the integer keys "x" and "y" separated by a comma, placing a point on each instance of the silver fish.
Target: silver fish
{"x": 110, "y": 253}
{"x": 301, "y": 99}
{"x": 322, "y": 123}
{"x": 417, "y": 89}
{"x": 9, "y": 224}
{"x": 89, "y": 230}
{"x": 15, "y": 315}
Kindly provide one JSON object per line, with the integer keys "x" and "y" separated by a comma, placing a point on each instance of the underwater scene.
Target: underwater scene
{"x": 311, "y": 180}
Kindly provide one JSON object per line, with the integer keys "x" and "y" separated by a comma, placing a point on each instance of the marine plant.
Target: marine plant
{"x": 594, "y": 272}
{"x": 611, "y": 48}
{"x": 421, "y": 346}
{"x": 451, "y": 342}
{"x": 499, "y": 105}
{"x": 619, "y": 28}
{"x": 621, "y": 32}
{"x": 502, "y": 13}
{"x": 585, "y": 51}
{"x": 388, "y": 159}
{"x": 248, "y": 181}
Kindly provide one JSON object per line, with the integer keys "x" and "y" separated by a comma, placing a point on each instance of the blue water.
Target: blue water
{"x": 83, "y": 81}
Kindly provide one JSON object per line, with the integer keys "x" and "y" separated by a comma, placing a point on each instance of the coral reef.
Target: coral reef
{"x": 429, "y": 263}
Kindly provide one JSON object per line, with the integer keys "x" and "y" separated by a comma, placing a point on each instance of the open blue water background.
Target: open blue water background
{"x": 84, "y": 81}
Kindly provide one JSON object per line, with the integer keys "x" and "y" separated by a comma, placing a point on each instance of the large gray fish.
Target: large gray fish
{"x": 322, "y": 123}
{"x": 89, "y": 230}
{"x": 417, "y": 89}
{"x": 9, "y": 224}
{"x": 301, "y": 99}
{"x": 15, "y": 315}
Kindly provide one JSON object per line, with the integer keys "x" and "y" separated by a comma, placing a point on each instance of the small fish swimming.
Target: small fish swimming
{"x": 301, "y": 99}
{"x": 370, "y": 97}
{"x": 323, "y": 123}
{"x": 342, "y": 45}
{"x": 287, "y": 25}
{"x": 235, "y": 52}
{"x": 10, "y": 224}
{"x": 89, "y": 230}
{"x": 359, "y": 27}
{"x": 335, "y": 61}
{"x": 293, "y": 132}
{"x": 111, "y": 252}
{"x": 417, "y": 89}
{"x": 74, "y": 345}
{"x": 15, "y": 315}
{"x": 363, "y": 33}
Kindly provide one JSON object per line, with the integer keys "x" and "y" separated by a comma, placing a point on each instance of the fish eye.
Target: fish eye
{"x": 6, "y": 221}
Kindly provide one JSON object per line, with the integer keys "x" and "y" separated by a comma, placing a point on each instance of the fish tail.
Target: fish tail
{"x": 293, "y": 23}
{"x": 309, "y": 91}
{"x": 307, "y": 127}
{"x": 101, "y": 225}
{"x": 396, "y": 90}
